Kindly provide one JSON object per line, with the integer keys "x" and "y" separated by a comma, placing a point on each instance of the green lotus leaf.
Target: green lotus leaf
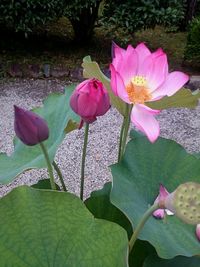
{"x": 184, "y": 98}
{"x": 100, "y": 206}
{"x": 136, "y": 181}
{"x": 57, "y": 112}
{"x": 50, "y": 228}
{"x": 179, "y": 261}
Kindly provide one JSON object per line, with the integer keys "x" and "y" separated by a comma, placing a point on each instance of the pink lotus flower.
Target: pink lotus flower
{"x": 198, "y": 231}
{"x": 89, "y": 100}
{"x": 139, "y": 76}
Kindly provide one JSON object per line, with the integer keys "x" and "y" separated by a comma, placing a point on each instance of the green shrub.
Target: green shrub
{"x": 24, "y": 15}
{"x": 192, "y": 51}
{"x": 137, "y": 14}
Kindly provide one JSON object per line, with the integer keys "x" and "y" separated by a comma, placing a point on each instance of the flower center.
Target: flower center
{"x": 138, "y": 91}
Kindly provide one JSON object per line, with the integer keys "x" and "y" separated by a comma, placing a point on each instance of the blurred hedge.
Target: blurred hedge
{"x": 137, "y": 14}
{"x": 24, "y": 15}
{"x": 192, "y": 51}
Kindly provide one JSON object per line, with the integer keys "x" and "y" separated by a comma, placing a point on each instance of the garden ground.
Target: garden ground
{"x": 181, "y": 125}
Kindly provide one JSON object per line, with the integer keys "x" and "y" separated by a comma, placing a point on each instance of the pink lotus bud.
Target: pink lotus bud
{"x": 30, "y": 128}
{"x": 89, "y": 100}
{"x": 198, "y": 231}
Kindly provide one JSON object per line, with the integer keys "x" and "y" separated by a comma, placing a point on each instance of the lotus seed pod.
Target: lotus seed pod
{"x": 185, "y": 202}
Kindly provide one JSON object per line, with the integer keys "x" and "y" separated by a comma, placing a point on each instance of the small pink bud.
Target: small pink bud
{"x": 90, "y": 100}
{"x": 29, "y": 127}
{"x": 198, "y": 231}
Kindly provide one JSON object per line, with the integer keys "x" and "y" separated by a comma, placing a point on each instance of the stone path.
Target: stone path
{"x": 182, "y": 125}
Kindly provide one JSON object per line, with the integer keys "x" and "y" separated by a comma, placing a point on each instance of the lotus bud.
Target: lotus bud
{"x": 29, "y": 127}
{"x": 90, "y": 100}
{"x": 198, "y": 231}
{"x": 185, "y": 202}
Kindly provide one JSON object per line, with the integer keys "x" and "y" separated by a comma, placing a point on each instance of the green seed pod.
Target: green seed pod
{"x": 185, "y": 202}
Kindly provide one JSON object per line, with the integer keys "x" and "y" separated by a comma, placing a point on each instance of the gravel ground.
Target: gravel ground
{"x": 181, "y": 125}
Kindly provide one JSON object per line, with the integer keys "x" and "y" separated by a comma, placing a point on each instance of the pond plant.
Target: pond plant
{"x": 148, "y": 215}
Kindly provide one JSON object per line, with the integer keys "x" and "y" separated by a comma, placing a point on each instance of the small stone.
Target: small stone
{"x": 194, "y": 82}
{"x": 15, "y": 70}
{"x": 46, "y": 69}
{"x": 59, "y": 72}
{"x": 33, "y": 71}
{"x": 77, "y": 74}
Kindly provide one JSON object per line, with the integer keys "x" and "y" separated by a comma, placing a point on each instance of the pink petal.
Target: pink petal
{"x": 163, "y": 192}
{"x": 155, "y": 69}
{"x": 142, "y": 52}
{"x": 174, "y": 81}
{"x": 159, "y": 214}
{"x": 113, "y": 79}
{"x": 118, "y": 86}
{"x": 157, "y": 53}
{"x": 117, "y": 59}
{"x": 143, "y": 118}
{"x": 198, "y": 232}
{"x": 126, "y": 63}
{"x": 86, "y": 105}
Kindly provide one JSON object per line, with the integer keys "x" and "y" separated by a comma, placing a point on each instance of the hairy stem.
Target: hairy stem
{"x": 120, "y": 139}
{"x": 140, "y": 225}
{"x": 57, "y": 169}
{"x": 125, "y": 126}
{"x": 49, "y": 166}
{"x": 83, "y": 160}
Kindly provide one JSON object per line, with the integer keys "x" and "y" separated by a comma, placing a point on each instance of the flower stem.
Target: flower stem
{"x": 55, "y": 165}
{"x": 140, "y": 225}
{"x": 49, "y": 166}
{"x": 120, "y": 139}
{"x": 83, "y": 160}
{"x": 125, "y": 126}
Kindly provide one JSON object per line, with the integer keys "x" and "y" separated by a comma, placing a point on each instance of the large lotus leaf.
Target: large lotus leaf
{"x": 136, "y": 181}
{"x": 100, "y": 206}
{"x": 91, "y": 70}
{"x": 58, "y": 114}
{"x": 176, "y": 262}
{"x": 183, "y": 98}
{"x": 50, "y": 228}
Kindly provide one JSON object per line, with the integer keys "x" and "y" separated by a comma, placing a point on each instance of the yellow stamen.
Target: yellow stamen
{"x": 138, "y": 91}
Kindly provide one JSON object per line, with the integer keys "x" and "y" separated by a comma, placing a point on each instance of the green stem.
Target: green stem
{"x": 83, "y": 160}
{"x": 120, "y": 139}
{"x": 140, "y": 225}
{"x": 55, "y": 165}
{"x": 49, "y": 166}
{"x": 126, "y": 128}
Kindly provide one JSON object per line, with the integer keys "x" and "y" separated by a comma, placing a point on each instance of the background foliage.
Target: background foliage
{"x": 134, "y": 15}
{"x": 24, "y": 15}
{"x": 193, "y": 41}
